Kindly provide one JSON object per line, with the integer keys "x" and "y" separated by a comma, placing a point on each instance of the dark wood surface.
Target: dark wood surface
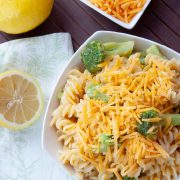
{"x": 160, "y": 23}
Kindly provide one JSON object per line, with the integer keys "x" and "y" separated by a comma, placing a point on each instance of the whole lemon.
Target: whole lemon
{"x": 18, "y": 16}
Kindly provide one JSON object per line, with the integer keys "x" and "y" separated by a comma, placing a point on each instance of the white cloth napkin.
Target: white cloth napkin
{"x": 44, "y": 57}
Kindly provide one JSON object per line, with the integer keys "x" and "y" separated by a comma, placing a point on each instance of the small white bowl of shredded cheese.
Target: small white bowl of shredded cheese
{"x": 120, "y": 21}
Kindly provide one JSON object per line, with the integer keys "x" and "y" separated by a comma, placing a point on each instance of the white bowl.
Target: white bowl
{"x": 130, "y": 25}
{"x": 49, "y": 137}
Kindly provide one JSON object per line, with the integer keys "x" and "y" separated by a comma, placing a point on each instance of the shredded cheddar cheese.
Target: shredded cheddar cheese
{"x": 123, "y": 10}
{"x": 132, "y": 89}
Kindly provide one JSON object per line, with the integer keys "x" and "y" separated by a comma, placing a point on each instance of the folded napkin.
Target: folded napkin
{"x": 44, "y": 57}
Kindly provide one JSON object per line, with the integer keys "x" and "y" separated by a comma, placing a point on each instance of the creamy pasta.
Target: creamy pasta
{"x": 99, "y": 115}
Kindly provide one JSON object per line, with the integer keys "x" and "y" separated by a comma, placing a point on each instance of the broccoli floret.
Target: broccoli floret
{"x": 175, "y": 119}
{"x": 106, "y": 140}
{"x": 93, "y": 92}
{"x": 151, "y": 50}
{"x": 129, "y": 178}
{"x": 154, "y": 50}
{"x": 92, "y": 55}
{"x": 144, "y": 126}
{"x": 149, "y": 114}
{"x": 95, "y": 53}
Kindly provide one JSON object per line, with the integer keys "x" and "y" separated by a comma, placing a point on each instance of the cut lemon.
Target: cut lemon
{"x": 21, "y": 100}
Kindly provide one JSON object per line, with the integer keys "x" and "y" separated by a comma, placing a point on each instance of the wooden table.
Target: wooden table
{"x": 160, "y": 23}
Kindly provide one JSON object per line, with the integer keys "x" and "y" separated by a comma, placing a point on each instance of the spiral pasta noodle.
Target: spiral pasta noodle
{"x": 125, "y": 89}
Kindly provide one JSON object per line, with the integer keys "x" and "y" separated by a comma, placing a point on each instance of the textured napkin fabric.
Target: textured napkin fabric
{"x": 44, "y": 57}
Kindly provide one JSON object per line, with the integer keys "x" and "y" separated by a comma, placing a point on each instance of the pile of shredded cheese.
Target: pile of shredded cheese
{"x": 133, "y": 88}
{"x": 124, "y": 10}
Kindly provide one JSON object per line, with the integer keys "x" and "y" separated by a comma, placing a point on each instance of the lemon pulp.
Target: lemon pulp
{"x": 21, "y": 100}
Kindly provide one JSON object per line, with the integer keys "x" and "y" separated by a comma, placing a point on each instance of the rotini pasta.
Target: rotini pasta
{"x": 100, "y": 118}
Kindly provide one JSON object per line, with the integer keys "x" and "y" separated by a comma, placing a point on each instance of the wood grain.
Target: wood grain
{"x": 160, "y": 23}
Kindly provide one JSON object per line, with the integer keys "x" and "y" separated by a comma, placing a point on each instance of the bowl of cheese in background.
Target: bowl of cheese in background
{"x": 117, "y": 18}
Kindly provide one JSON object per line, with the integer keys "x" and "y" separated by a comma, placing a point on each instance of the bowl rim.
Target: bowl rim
{"x": 129, "y": 25}
{"x": 45, "y": 120}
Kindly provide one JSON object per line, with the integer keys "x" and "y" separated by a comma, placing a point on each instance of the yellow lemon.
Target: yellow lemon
{"x": 21, "y": 100}
{"x": 18, "y": 16}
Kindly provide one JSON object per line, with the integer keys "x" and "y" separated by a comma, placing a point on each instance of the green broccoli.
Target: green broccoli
{"x": 95, "y": 53}
{"x": 93, "y": 92}
{"x": 175, "y": 119}
{"x": 154, "y": 50}
{"x": 106, "y": 140}
{"x": 151, "y": 50}
{"x": 129, "y": 178}
{"x": 144, "y": 126}
{"x": 149, "y": 114}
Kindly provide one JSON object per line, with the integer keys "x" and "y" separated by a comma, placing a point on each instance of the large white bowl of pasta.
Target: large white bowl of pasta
{"x": 114, "y": 113}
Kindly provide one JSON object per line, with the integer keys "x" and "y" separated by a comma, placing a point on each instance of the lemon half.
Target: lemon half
{"x": 21, "y": 100}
